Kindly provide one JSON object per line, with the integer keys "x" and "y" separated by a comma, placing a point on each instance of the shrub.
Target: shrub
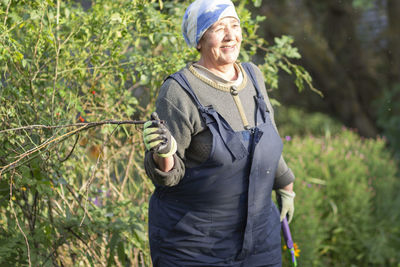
{"x": 347, "y": 203}
{"x": 388, "y": 106}
{"x": 295, "y": 121}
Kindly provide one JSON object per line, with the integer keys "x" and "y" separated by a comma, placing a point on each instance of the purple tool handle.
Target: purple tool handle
{"x": 286, "y": 234}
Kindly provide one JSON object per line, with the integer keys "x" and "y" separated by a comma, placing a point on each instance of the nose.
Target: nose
{"x": 229, "y": 33}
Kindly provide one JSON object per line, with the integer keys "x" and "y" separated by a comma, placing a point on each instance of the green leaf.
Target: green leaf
{"x": 284, "y": 67}
{"x": 257, "y": 3}
{"x": 116, "y": 18}
{"x": 151, "y": 38}
{"x": 111, "y": 245}
{"x": 275, "y": 102}
{"x": 121, "y": 253}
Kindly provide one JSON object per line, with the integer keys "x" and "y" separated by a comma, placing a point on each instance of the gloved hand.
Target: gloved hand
{"x": 287, "y": 203}
{"x": 157, "y": 137}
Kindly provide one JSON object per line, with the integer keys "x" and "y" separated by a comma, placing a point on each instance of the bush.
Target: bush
{"x": 388, "y": 107}
{"x": 295, "y": 121}
{"x": 347, "y": 201}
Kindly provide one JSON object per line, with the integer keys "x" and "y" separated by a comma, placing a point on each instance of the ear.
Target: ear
{"x": 198, "y": 47}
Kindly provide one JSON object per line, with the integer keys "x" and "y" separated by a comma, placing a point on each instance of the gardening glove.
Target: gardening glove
{"x": 157, "y": 137}
{"x": 287, "y": 203}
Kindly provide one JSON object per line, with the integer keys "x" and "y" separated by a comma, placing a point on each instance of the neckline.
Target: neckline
{"x": 218, "y": 85}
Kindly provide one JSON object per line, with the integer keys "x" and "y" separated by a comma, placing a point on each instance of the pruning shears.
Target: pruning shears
{"x": 288, "y": 239}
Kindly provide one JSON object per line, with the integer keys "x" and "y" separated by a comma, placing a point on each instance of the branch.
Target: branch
{"x": 57, "y": 48}
{"x": 6, "y": 16}
{"x": 13, "y": 164}
{"x": 82, "y": 126}
{"x": 72, "y": 150}
{"x": 17, "y": 221}
{"x": 92, "y": 177}
{"x": 87, "y": 124}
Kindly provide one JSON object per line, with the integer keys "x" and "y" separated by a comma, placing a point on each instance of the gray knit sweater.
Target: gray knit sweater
{"x": 185, "y": 123}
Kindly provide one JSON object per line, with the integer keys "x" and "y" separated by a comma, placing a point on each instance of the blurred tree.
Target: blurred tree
{"x": 351, "y": 72}
{"x": 393, "y": 68}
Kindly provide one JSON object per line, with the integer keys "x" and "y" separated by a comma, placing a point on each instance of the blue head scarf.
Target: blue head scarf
{"x": 201, "y": 15}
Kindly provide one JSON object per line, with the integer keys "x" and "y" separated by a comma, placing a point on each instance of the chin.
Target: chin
{"x": 230, "y": 60}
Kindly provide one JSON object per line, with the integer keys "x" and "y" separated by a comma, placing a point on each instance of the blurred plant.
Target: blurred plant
{"x": 293, "y": 121}
{"x": 388, "y": 107}
{"x": 363, "y": 4}
{"x": 346, "y": 197}
{"x": 296, "y": 249}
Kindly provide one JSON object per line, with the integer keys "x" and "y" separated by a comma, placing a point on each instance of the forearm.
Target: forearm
{"x": 289, "y": 187}
{"x": 284, "y": 176}
{"x": 164, "y": 164}
{"x": 159, "y": 177}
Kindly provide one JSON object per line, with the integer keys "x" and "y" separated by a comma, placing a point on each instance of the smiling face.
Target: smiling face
{"x": 220, "y": 44}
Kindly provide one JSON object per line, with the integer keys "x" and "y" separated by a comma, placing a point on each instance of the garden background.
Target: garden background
{"x": 77, "y": 195}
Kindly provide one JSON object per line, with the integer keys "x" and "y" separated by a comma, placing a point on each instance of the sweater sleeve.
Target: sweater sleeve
{"x": 284, "y": 174}
{"x": 177, "y": 109}
{"x": 159, "y": 177}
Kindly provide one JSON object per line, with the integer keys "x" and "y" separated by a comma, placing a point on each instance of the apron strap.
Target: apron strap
{"x": 210, "y": 116}
{"x": 181, "y": 79}
{"x": 259, "y": 97}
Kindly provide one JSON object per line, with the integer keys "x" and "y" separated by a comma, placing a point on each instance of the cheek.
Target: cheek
{"x": 239, "y": 37}
{"x": 210, "y": 42}
{"x": 214, "y": 43}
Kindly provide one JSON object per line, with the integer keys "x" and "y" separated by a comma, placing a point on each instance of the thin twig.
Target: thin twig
{"x": 88, "y": 124}
{"x": 29, "y": 159}
{"x": 89, "y": 182}
{"x": 57, "y": 48}
{"x": 68, "y": 37}
{"x": 38, "y": 38}
{"x": 72, "y": 150}
{"x": 97, "y": 67}
{"x": 70, "y": 205}
{"x": 24, "y": 155}
{"x": 6, "y": 16}
{"x": 83, "y": 126}
{"x": 131, "y": 155}
{"x": 85, "y": 211}
{"x": 36, "y": 60}
{"x": 89, "y": 249}
{"x": 92, "y": 176}
{"x": 72, "y": 191}
{"x": 57, "y": 244}
{"x": 16, "y": 219}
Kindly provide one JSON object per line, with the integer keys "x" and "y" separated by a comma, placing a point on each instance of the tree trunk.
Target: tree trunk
{"x": 393, "y": 10}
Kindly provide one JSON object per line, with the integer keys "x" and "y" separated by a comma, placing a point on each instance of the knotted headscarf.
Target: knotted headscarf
{"x": 201, "y": 14}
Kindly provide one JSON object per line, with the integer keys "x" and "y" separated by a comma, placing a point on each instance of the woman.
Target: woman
{"x": 215, "y": 155}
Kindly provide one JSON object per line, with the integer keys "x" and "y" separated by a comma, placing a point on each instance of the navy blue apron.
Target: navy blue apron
{"x": 221, "y": 212}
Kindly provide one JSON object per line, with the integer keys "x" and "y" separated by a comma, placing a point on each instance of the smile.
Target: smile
{"x": 227, "y": 47}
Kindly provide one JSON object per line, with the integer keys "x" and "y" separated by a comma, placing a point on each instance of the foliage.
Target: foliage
{"x": 388, "y": 107}
{"x": 346, "y": 201}
{"x": 363, "y": 4}
{"x": 294, "y": 121}
{"x": 83, "y": 200}
{"x": 63, "y": 64}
